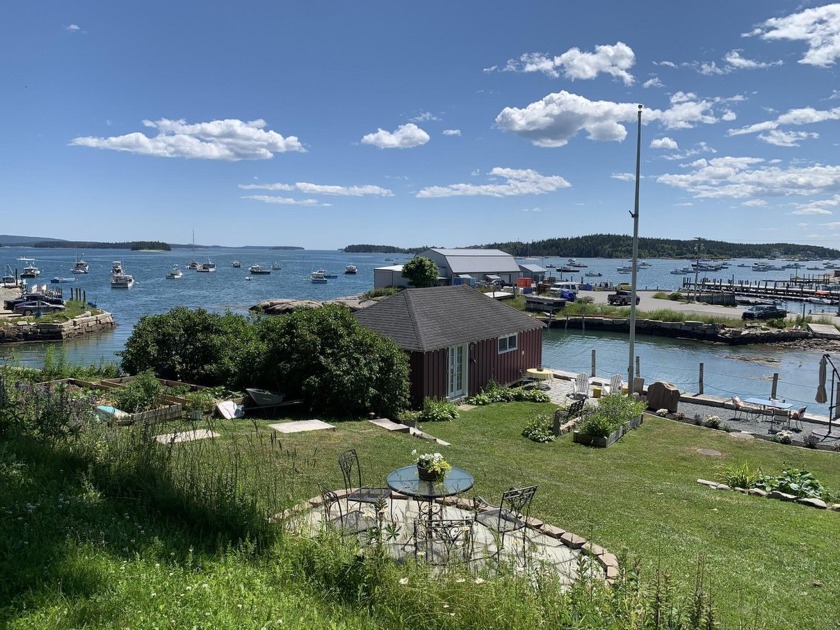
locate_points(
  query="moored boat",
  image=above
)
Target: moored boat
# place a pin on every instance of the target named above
(174, 273)
(258, 270)
(80, 266)
(317, 277)
(275, 266)
(30, 270)
(59, 279)
(119, 278)
(350, 269)
(236, 264)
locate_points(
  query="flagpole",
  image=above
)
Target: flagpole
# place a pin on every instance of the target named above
(635, 215)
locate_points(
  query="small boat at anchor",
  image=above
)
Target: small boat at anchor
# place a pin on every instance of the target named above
(593, 274)
(60, 279)
(236, 264)
(174, 273)
(276, 266)
(317, 277)
(350, 269)
(30, 270)
(119, 278)
(80, 266)
(259, 270)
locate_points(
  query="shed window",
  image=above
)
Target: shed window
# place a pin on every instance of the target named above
(506, 344)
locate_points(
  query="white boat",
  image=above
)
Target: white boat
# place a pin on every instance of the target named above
(625, 269)
(275, 266)
(682, 271)
(119, 278)
(317, 277)
(206, 267)
(325, 274)
(174, 273)
(258, 270)
(236, 264)
(60, 279)
(593, 274)
(573, 263)
(9, 282)
(80, 266)
(350, 269)
(30, 271)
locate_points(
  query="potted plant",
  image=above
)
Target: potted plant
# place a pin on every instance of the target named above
(431, 466)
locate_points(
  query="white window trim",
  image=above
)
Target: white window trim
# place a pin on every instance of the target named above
(508, 347)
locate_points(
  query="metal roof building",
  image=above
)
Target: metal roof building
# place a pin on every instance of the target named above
(477, 263)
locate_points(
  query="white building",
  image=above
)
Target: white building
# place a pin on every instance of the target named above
(458, 266)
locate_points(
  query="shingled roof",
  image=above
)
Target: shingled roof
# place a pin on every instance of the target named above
(420, 320)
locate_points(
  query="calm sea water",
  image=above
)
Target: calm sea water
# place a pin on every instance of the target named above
(745, 371)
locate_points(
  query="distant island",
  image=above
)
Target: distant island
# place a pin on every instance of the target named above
(621, 246)
(86, 245)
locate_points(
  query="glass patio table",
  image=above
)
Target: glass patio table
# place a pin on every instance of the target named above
(406, 480)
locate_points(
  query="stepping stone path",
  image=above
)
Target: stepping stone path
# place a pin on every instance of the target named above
(709, 452)
(186, 436)
(300, 426)
(388, 425)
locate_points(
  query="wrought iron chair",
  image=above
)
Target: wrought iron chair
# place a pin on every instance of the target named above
(509, 517)
(348, 461)
(444, 542)
(351, 523)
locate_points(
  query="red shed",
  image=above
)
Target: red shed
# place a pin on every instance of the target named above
(457, 339)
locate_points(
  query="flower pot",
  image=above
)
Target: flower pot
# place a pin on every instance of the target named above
(427, 475)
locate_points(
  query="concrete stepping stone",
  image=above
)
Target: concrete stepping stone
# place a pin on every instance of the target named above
(388, 425)
(186, 436)
(300, 426)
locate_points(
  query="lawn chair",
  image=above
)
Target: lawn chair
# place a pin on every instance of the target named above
(348, 461)
(580, 387)
(350, 523)
(509, 517)
(780, 420)
(797, 417)
(444, 542)
(615, 384)
(742, 409)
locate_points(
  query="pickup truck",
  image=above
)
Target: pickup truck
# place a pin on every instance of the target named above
(620, 298)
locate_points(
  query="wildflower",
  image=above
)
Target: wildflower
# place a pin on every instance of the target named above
(404, 581)
(461, 580)
(478, 580)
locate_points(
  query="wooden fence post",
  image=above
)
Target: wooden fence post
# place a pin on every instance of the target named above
(593, 363)
(775, 385)
(700, 381)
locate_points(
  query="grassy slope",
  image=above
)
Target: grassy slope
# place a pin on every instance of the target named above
(765, 557)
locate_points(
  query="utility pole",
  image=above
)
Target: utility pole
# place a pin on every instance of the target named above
(698, 249)
(635, 214)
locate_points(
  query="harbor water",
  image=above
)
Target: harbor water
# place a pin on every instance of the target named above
(728, 370)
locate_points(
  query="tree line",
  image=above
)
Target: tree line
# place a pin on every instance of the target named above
(133, 245)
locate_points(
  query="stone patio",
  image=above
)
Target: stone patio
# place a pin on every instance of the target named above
(546, 546)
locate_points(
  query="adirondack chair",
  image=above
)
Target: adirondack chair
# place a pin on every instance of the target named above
(580, 387)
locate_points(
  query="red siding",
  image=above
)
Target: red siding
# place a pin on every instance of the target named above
(429, 371)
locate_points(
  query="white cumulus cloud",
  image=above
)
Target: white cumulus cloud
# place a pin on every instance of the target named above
(664, 143)
(615, 60)
(818, 27)
(556, 118)
(451, 132)
(405, 137)
(512, 182)
(72, 28)
(229, 140)
(323, 189)
(754, 203)
(800, 116)
(747, 177)
(818, 207)
(654, 82)
(781, 138)
(283, 201)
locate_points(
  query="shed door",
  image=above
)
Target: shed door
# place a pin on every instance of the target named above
(457, 372)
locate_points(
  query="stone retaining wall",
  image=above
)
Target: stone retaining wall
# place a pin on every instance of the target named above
(18, 331)
(690, 329)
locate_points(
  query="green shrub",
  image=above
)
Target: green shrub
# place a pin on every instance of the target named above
(676, 296)
(494, 392)
(612, 412)
(660, 295)
(779, 323)
(795, 481)
(326, 357)
(381, 292)
(142, 393)
(712, 422)
(740, 476)
(538, 429)
(435, 410)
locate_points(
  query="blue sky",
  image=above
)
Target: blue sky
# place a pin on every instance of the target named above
(322, 124)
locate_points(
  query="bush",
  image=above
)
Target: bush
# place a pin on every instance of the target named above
(188, 345)
(326, 357)
(612, 412)
(538, 429)
(712, 422)
(795, 481)
(741, 476)
(438, 410)
(493, 393)
(142, 393)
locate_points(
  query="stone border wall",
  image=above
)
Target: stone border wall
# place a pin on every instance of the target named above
(775, 494)
(17, 331)
(690, 329)
(606, 560)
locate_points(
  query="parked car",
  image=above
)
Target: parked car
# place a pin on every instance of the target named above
(37, 306)
(764, 311)
(621, 298)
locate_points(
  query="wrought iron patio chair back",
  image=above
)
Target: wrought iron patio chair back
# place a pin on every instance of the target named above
(517, 503)
(351, 522)
(330, 505)
(348, 461)
(444, 541)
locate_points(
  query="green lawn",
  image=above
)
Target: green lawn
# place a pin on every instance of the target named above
(81, 557)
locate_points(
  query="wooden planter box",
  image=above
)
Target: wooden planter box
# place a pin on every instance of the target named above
(603, 442)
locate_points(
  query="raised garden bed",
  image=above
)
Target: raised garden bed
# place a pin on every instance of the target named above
(604, 441)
